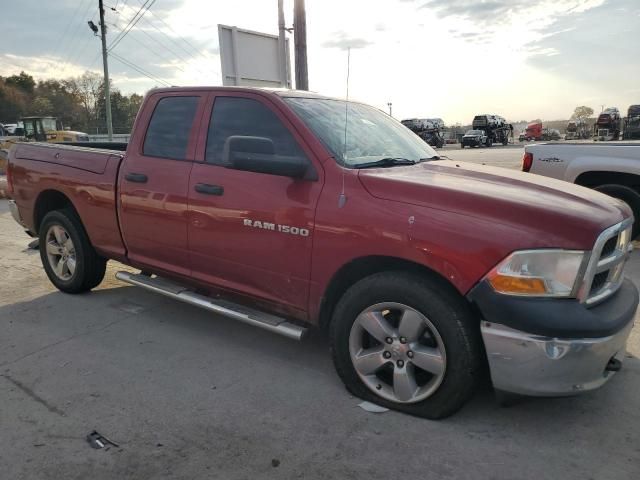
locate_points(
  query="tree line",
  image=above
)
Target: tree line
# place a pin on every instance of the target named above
(78, 102)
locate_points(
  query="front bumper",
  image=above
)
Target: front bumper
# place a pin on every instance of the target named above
(543, 363)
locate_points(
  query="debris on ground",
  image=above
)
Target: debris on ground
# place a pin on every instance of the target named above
(97, 440)
(372, 407)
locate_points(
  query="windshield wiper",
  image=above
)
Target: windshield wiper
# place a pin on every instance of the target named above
(386, 162)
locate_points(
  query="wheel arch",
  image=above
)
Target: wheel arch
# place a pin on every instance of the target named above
(594, 179)
(362, 267)
(48, 201)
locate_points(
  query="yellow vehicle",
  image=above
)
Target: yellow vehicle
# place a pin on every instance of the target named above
(49, 129)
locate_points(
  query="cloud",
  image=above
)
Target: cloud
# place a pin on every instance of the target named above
(479, 11)
(343, 41)
(588, 46)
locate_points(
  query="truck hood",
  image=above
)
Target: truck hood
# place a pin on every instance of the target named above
(571, 216)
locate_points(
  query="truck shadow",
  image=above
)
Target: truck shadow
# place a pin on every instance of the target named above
(125, 320)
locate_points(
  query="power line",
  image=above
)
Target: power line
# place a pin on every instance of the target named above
(66, 30)
(74, 49)
(170, 39)
(176, 54)
(132, 23)
(139, 69)
(122, 30)
(155, 52)
(196, 50)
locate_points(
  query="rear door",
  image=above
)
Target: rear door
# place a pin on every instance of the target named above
(154, 181)
(252, 232)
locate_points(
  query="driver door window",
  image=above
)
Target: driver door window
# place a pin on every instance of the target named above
(233, 116)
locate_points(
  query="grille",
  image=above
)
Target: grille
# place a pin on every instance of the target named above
(604, 273)
(609, 246)
(598, 282)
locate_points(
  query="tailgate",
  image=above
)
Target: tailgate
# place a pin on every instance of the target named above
(91, 160)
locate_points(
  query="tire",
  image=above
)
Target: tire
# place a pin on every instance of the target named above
(630, 197)
(461, 145)
(450, 328)
(87, 269)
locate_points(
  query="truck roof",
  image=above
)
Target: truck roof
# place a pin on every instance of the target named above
(281, 92)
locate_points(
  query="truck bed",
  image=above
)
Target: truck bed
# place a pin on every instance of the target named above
(87, 176)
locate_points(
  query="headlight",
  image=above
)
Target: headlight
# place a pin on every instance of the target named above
(539, 273)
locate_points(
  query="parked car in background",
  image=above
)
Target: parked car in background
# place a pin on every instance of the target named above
(613, 169)
(473, 138)
(276, 209)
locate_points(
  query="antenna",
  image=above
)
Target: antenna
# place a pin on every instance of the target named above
(342, 199)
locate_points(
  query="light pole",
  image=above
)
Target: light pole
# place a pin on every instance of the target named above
(105, 65)
(282, 48)
(389, 104)
(300, 44)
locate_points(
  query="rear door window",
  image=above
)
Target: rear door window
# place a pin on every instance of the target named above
(170, 127)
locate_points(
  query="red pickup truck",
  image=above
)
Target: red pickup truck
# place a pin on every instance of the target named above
(287, 209)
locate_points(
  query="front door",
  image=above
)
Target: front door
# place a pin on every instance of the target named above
(154, 182)
(252, 232)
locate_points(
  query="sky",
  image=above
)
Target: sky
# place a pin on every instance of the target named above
(453, 59)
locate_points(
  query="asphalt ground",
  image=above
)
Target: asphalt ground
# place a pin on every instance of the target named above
(189, 395)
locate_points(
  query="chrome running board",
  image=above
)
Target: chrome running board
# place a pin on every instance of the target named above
(244, 314)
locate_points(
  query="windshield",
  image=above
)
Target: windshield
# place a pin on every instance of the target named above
(49, 124)
(371, 135)
(474, 132)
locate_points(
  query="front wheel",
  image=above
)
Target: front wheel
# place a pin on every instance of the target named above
(67, 255)
(406, 342)
(629, 196)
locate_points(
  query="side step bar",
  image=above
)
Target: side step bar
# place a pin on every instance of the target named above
(223, 307)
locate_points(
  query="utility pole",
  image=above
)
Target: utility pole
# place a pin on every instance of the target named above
(282, 48)
(300, 39)
(105, 65)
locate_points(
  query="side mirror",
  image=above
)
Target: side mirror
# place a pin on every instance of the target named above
(257, 154)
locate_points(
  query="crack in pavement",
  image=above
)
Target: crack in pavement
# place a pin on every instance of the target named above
(34, 396)
(64, 340)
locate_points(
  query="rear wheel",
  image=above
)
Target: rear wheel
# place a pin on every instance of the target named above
(629, 196)
(68, 257)
(406, 342)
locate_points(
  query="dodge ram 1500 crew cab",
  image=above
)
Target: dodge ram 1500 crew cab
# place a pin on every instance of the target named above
(287, 209)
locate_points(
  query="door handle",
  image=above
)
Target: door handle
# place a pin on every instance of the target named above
(136, 177)
(209, 189)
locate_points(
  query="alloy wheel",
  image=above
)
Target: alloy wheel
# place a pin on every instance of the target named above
(61, 253)
(397, 352)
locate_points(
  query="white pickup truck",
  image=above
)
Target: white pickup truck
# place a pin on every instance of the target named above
(611, 168)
